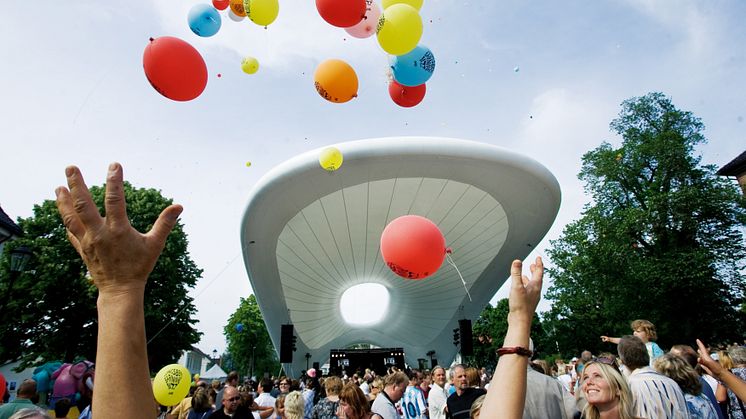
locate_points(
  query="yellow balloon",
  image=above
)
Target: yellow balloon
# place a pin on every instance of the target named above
(330, 158)
(262, 12)
(248, 164)
(417, 4)
(399, 29)
(250, 65)
(171, 384)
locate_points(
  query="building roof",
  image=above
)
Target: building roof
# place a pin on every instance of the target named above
(7, 223)
(308, 235)
(735, 167)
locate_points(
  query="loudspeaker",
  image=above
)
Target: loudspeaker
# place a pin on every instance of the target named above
(317, 368)
(433, 363)
(464, 326)
(286, 343)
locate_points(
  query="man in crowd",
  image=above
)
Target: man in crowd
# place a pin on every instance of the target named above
(394, 386)
(436, 398)
(265, 399)
(413, 401)
(654, 395)
(231, 381)
(26, 392)
(230, 406)
(459, 403)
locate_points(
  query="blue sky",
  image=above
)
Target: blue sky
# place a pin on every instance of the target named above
(74, 91)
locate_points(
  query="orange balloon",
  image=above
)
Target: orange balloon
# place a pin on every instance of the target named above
(336, 81)
(237, 8)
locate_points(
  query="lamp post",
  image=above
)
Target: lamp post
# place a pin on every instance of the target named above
(19, 257)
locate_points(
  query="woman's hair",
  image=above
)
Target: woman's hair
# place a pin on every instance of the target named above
(476, 407)
(677, 369)
(738, 355)
(31, 413)
(377, 383)
(647, 327)
(725, 360)
(472, 376)
(543, 366)
(294, 405)
(617, 385)
(201, 400)
(355, 398)
(332, 385)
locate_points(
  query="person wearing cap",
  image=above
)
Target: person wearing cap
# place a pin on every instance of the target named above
(311, 393)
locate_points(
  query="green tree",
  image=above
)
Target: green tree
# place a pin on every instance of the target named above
(489, 330)
(249, 344)
(51, 311)
(661, 239)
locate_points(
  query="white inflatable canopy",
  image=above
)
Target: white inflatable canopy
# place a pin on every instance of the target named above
(309, 235)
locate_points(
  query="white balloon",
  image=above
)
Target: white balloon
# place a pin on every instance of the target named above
(234, 17)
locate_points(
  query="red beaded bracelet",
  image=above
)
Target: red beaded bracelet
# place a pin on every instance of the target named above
(514, 350)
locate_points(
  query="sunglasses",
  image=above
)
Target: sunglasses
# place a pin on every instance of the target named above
(608, 361)
(234, 399)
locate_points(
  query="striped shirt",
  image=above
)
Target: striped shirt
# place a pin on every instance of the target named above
(656, 396)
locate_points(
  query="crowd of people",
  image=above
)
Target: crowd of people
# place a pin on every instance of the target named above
(638, 381)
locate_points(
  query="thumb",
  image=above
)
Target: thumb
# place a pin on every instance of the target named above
(165, 223)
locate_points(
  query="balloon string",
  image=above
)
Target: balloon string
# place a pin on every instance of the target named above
(195, 297)
(448, 258)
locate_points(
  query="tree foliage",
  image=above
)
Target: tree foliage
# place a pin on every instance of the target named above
(250, 342)
(51, 311)
(489, 330)
(661, 239)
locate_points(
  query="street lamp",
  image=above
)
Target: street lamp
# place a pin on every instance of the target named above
(19, 257)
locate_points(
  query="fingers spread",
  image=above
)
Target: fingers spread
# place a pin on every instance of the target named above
(67, 212)
(116, 211)
(165, 223)
(81, 198)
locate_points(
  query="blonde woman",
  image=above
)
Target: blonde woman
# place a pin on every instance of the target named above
(294, 405)
(606, 392)
(353, 404)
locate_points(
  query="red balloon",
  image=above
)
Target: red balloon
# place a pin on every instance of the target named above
(174, 68)
(221, 4)
(2, 386)
(342, 13)
(406, 96)
(413, 247)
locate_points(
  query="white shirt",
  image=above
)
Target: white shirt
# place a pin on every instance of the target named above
(656, 396)
(436, 402)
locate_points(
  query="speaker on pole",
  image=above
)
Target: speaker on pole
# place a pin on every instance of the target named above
(464, 326)
(286, 343)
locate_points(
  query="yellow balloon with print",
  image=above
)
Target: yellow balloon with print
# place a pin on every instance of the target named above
(417, 4)
(330, 158)
(399, 29)
(250, 65)
(171, 384)
(262, 12)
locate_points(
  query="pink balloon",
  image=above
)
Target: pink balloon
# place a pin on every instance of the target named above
(368, 25)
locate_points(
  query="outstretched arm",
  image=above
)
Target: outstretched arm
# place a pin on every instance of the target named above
(610, 339)
(507, 393)
(119, 259)
(730, 380)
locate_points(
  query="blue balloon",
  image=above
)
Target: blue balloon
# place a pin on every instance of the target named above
(239, 327)
(415, 67)
(204, 20)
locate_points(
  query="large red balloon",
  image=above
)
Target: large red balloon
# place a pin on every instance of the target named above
(342, 13)
(406, 96)
(2, 386)
(413, 247)
(174, 68)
